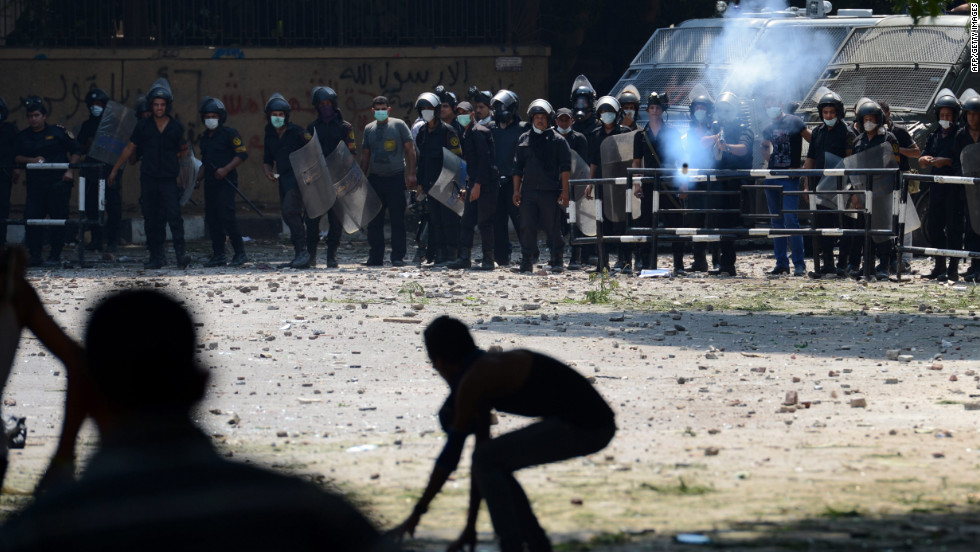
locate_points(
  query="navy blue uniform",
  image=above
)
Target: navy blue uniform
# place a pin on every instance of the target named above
(539, 160)
(443, 222)
(947, 202)
(329, 134)
(277, 150)
(504, 143)
(47, 193)
(478, 152)
(218, 148)
(734, 133)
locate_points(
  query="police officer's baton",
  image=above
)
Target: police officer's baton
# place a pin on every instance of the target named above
(233, 187)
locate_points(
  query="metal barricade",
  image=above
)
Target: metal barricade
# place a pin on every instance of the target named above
(82, 222)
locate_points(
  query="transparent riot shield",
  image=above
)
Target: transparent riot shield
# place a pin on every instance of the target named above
(616, 153)
(112, 136)
(584, 208)
(315, 183)
(878, 157)
(829, 183)
(357, 202)
(447, 188)
(970, 159)
(187, 178)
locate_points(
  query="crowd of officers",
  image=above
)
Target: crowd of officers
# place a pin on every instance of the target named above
(517, 171)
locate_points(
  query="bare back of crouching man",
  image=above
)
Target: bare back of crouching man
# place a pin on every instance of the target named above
(574, 420)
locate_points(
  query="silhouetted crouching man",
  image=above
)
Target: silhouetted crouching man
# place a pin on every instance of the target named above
(156, 482)
(574, 421)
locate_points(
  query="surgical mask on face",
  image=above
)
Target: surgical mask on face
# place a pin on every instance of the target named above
(464, 120)
(486, 121)
(96, 110)
(870, 125)
(700, 114)
(563, 130)
(536, 130)
(607, 118)
(773, 112)
(277, 122)
(381, 115)
(628, 113)
(945, 124)
(830, 122)
(428, 114)
(211, 124)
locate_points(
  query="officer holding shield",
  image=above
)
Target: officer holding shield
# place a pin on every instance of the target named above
(481, 191)
(434, 137)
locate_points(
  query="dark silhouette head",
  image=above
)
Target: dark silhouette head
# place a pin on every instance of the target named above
(447, 340)
(140, 347)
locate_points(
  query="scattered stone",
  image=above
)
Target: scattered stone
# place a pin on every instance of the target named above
(891, 381)
(971, 406)
(953, 378)
(711, 451)
(402, 320)
(936, 365)
(905, 358)
(9, 402)
(617, 318)
(681, 380)
(576, 501)
(892, 354)
(234, 420)
(939, 455)
(282, 433)
(531, 306)
(859, 403)
(791, 398)
(417, 306)
(710, 356)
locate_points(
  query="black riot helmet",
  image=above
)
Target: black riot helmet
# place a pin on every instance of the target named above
(704, 100)
(96, 95)
(35, 103)
(869, 107)
(277, 102)
(445, 96)
(656, 98)
(160, 89)
(831, 99)
(142, 106)
(629, 95)
(971, 104)
(3, 109)
(947, 99)
(541, 107)
(479, 96)
(505, 106)
(213, 105)
(582, 98)
(607, 103)
(427, 100)
(324, 93)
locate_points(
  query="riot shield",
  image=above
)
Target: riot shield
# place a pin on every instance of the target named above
(616, 153)
(447, 187)
(829, 183)
(315, 184)
(878, 157)
(357, 202)
(970, 159)
(115, 128)
(584, 208)
(187, 178)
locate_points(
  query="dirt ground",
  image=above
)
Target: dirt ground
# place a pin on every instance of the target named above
(322, 373)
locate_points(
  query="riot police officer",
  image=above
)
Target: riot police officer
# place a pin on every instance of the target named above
(947, 202)
(629, 103)
(968, 136)
(583, 100)
(48, 191)
(608, 109)
(506, 129)
(481, 105)
(283, 137)
(699, 156)
(330, 128)
(8, 139)
(432, 139)
(579, 144)
(480, 195)
(222, 151)
(542, 168)
(97, 99)
(161, 141)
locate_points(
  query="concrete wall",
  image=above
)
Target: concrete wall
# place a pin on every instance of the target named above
(244, 79)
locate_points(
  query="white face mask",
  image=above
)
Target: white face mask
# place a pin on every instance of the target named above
(700, 114)
(96, 110)
(869, 126)
(628, 113)
(428, 114)
(486, 121)
(563, 130)
(277, 122)
(773, 112)
(211, 124)
(945, 124)
(607, 117)
(830, 122)
(536, 130)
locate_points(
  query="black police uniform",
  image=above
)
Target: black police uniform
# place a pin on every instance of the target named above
(504, 143)
(478, 152)
(586, 127)
(856, 243)
(277, 150)
(735, 133)
(159, 195)
(539, 160)
(657, 151)
(838, 141)
(47, 193)
(8, 139)
(218, 148)
(609, 228)
(947, 202)
(578, 143)
(971, 240)
(442, 221)
(113, 197)
(330, 134)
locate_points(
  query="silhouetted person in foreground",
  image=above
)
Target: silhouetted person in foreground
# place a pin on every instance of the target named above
(156, 482)
(21, 308)
(574, 421)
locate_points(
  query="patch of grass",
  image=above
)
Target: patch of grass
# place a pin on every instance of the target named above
(681, 489)
(412, 292)
(602, 288)
(948, 401)
(834, 513)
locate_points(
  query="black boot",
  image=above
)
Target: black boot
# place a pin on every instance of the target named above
(183, 259)
(239, 259)
(953, 272)
(679, 265)
(487, 263)
(332, 257)
(215, 260)
(575, 262)
(938, 271)
(461, 262)
(527, 266)
(556, 265)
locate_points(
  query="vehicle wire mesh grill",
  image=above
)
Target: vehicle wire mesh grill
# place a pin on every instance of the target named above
(902, 87)
(677, 82)
(692, 46)
(940, 45)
